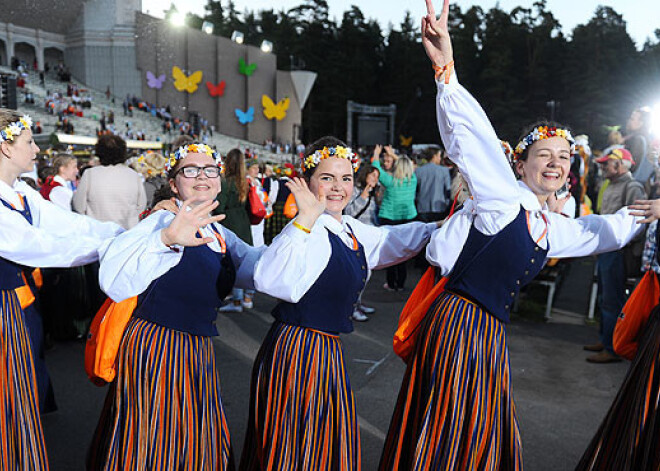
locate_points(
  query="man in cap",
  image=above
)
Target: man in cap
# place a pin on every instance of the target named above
(622, 191)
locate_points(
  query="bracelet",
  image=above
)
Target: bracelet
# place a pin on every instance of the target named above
(297, 225)
(448, 67)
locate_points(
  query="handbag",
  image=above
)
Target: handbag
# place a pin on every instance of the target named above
(290, 207)
(256, 208)
(635, 314)
(105, 334)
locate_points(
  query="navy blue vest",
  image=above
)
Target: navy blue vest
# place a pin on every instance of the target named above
(10, 272)
(491, 269)
(186, 297)
(328, 304)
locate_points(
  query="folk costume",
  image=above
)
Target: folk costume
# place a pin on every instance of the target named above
(33, 233)
(455, 408)
(163, 411)
(302, 410)
(627, 439)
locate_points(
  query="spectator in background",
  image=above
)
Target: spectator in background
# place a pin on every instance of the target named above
(232, 202)
(57, 188)
(622, 191)
(398, 206)
(364, 207)
(433, 187)
(637, 142)
(152, 168)
(111, 191)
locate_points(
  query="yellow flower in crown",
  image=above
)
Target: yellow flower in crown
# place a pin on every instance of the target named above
(9, 134)
(172, 162)
(341, 152)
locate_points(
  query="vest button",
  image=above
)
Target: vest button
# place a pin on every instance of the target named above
(532, 260)
(513, 294)
(536, 249)
(526, 272)
(363, 267)
(506, 307)
(364, 280)
(518, 282)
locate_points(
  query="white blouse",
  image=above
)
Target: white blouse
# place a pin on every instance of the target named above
(473, 146)
(56, 238)
(133, 260)
(61, 195)
(294, 261)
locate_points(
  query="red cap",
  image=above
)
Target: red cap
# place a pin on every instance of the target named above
(617, 154)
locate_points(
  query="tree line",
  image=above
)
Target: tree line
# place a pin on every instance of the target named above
(520, 65)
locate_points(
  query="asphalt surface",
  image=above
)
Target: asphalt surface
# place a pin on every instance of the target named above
(560, 398)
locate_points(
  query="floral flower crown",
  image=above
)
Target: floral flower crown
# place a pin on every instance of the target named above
(15, 128)
(340, 152)
(508, 151)
(182, 152)
(540, 133)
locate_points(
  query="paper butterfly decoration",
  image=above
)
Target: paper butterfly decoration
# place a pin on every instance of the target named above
(245, 117)
(155, 82)
(271, 110)
(246, 69)
(216, 90)
(183, 82)
(405, 141)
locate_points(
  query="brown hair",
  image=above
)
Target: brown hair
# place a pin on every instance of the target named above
(235, 172)
(111, 150)
(326, 141)
(363, 173)
(7, 117)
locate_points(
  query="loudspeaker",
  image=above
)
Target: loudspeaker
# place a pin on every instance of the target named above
(8, 94)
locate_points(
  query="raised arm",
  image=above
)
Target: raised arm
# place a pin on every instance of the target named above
(467, 134)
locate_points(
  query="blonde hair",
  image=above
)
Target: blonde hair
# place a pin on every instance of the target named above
(150, 165)
(403, 170)
(61, 160)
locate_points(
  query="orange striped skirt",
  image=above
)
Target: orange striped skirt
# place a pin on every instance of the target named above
(629, 437)
(455, 407)
(22, 445)
(163, 411)
(302, 410)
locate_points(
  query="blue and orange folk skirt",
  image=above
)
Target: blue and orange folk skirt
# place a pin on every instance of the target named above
(629, 437)
(455, 409)
(22, 445)
(302, 410)
(163, 410)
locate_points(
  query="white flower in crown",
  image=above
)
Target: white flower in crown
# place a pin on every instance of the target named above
(182, 152)
(14, 129)
(27, 121)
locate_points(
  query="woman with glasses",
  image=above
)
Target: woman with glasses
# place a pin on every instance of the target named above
(163, 410)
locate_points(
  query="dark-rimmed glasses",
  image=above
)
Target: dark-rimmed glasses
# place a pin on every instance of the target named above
(193, 172)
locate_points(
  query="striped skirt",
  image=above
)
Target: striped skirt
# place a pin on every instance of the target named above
(629, 436)
(163, 411)
(22, 445)
(455, 408)
(302, 410)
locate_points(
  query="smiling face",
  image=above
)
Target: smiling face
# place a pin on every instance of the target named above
(388, 162)
(200, 188)
(69, 171)
(20, 154)
(372, 178)
(547, 166)
(334, 179)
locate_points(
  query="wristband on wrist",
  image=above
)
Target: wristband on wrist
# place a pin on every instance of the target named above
(446, 70)
(297, 225)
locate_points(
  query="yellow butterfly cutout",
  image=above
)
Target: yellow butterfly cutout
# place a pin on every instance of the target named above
(183, 82)
(271, 110)
(405, 141)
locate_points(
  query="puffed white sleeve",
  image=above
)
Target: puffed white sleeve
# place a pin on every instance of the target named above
(30, 245)
(389, 245)
(592, 234)
(131, 261)
(292, 263)
(245, 258)
(474, 147)
(67, 224)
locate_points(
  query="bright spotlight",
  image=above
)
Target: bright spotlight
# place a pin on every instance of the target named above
(237, 37)
(207, 27)
(655, 121)
(266, 46)
(178, 18)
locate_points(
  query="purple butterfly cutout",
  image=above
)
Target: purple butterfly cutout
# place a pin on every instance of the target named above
(155, 82)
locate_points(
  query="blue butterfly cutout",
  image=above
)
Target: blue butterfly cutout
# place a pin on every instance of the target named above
(245, 117)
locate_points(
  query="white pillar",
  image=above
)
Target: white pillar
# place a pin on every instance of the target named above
(39, 50)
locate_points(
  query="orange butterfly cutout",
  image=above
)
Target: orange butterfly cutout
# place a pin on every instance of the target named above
(405, 141)
(216, 90)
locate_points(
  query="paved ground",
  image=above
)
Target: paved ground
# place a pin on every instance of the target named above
(560, 398)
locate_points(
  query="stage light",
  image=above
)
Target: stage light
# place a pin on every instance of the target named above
(266, 46)
(178, 18)
(655, 121)
(237, 37)
(207, 27)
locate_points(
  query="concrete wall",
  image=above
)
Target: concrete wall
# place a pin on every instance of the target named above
(160, 46)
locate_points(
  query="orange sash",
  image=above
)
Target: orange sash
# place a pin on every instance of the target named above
(635, 314)
(104, 337)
